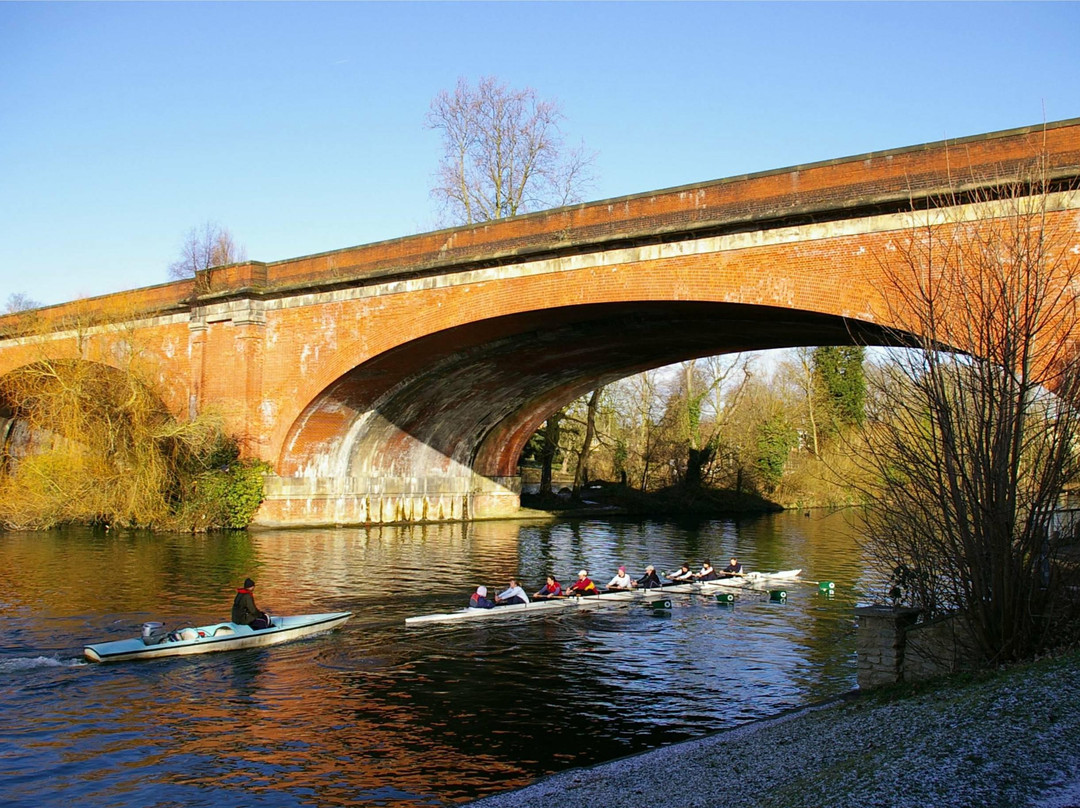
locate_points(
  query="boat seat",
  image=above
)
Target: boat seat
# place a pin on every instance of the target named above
(224, 631)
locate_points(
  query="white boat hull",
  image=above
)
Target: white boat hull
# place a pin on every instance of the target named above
(536, 606)
(217, 637)
(749, 580)
(754, 580)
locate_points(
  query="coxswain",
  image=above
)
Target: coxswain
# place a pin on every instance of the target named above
(511, 595)
(551, 589)
(583, 585)
(479, 599)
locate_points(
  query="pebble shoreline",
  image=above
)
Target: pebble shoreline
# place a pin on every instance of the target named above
(1011, 739)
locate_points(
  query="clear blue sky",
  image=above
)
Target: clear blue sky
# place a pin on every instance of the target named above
(300, 127)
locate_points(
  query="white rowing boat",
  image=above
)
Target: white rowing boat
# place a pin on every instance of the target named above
(755, 580)
(537, 606)
(746, 580)
(750, 580)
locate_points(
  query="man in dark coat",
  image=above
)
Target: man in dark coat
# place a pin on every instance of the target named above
(244, 610)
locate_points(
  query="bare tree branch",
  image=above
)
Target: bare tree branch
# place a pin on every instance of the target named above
(503, 153)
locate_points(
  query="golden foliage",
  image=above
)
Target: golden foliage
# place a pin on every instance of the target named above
(99, 447)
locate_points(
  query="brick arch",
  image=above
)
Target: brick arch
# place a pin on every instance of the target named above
(469, 397)
(779, 288)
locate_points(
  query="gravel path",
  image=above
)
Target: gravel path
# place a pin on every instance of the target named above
(1011, 739)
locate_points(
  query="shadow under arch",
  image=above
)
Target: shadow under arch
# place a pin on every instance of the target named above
(460, 404)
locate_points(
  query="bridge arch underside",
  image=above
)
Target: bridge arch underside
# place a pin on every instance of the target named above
(432, 429)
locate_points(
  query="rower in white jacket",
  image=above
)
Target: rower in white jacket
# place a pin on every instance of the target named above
(621, 581)
(515, 594)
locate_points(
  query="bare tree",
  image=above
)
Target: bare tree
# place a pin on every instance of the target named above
(968, 447)
(19, 301)
(207, 246)
(503, 153)
(582, 470)
(549, 448)
(710, 388)
(808, 388)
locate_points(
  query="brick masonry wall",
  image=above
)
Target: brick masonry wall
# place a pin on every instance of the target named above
(300, 355)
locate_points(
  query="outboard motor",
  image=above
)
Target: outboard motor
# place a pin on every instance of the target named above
(153, 633)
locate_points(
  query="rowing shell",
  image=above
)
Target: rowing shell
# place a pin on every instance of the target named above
(749, 580)
(536, 606)
(754, 580)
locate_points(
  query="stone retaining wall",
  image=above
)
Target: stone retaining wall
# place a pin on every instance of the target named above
(892, 646)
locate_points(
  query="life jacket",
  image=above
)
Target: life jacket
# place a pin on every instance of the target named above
(584, 586)
(477, 601)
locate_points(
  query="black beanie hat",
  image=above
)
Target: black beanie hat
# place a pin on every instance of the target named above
(248, 583)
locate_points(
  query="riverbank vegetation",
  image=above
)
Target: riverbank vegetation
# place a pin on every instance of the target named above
(975, 433)
(748, 432)
(94, 444)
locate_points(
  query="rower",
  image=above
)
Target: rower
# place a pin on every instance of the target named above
(650, 580)
(583, 585)
(733, 569)
(621, 580)
(479, 599)
(707, 572)
(551, 589)
(511, 595)
(683, 574)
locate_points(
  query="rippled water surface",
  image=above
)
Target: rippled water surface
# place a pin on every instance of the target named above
(377, 713)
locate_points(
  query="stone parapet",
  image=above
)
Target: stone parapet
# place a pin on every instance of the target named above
(880, 642)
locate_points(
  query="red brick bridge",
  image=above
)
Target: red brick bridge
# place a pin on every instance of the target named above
(399, 381)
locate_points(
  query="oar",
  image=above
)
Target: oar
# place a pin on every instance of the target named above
(825, 587)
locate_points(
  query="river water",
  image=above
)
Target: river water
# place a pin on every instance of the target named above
(377, 714)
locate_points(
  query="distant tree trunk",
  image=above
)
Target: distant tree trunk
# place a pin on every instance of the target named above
(696, 460)
(551, 445)
(809, 389)
(590, 431)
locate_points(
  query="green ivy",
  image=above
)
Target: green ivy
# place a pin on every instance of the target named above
(775, 440)
(228, 497)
